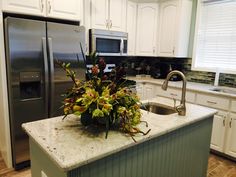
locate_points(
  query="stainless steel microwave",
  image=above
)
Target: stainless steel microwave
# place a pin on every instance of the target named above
(108, 43)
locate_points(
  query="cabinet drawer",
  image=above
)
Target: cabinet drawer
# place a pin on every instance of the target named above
(213, 101)
(170, 93)
(190, 96)
(233, 106)
(175, 93)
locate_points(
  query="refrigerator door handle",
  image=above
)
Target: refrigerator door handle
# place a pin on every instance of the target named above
(52, 88)
(45, 72)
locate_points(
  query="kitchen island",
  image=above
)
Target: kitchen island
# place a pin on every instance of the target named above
(176, 146)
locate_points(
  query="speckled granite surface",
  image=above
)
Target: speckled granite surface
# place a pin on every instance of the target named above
(71, 145)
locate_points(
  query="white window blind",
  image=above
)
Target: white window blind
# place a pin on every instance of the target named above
(216, 35)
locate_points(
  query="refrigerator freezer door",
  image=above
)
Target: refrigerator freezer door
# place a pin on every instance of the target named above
(64, 45)
(26, 73)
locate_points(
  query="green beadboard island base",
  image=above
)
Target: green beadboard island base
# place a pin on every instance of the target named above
(179, 147)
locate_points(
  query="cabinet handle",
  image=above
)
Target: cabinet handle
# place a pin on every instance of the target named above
(110, 24)
(173, 94)
(224, 122)
(230, 123)
(173, 51)
(41, 5)
(154, 50)
(211, 102)
(107, 24)
(49, 7)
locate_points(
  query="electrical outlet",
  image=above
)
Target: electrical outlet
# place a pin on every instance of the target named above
(43, 174)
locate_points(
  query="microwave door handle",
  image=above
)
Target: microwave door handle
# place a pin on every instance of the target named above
(121, 46)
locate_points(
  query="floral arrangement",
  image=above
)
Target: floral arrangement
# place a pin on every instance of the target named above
(103, 99)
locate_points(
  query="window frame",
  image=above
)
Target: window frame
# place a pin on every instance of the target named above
(194, 66)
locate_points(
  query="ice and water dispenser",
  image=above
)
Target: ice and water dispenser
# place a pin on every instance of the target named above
(30, 85)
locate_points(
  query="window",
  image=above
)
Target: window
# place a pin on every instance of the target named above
(215, 36)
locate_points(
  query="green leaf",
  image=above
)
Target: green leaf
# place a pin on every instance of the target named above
(67, 65)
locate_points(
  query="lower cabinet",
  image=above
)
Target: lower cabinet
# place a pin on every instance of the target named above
(175, 93)
(218, 131)
(145, 91)
(223, 137)
(231, 136)
(139, 90)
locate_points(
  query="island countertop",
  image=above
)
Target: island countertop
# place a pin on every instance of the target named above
(70, 145)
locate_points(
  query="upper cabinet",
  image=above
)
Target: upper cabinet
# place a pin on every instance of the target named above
(69, 10)
(131, 26)
(109, 14)
(174, 28)
(147, 19)
(99, 14)
(29, 7)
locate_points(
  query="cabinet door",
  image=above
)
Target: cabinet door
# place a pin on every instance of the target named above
(218, 133)
(147, 29)
(139, 90)
(69, 10)
(99, 14)
(168, 15)
(117, 15)
(148, 91)
(29, 7)
(231, 137)
(131, 26)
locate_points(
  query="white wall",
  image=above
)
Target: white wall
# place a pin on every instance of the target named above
(5, 143)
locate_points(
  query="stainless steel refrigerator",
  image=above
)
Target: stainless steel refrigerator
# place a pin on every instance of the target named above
(35, 81)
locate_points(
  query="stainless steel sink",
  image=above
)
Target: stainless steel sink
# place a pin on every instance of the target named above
(224, 90)
(158, 108)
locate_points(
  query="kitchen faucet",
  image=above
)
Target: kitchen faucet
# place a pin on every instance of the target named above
(181, 109)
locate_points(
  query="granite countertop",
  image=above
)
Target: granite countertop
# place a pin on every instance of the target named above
(192, 86)
(70, 146)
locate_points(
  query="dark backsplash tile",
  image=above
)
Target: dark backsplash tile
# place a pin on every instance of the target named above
(139, 65)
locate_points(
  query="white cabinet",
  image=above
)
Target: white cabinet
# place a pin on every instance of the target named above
(147, 19)
(174, 28)
(69, 10)
(175, 93)
(231, 137)
(29, 7)
(218, 131)
(139, 90)
(168, 13)
(145, 90)
(118, 10)
(213, 101)
(131, 26)
(109, 14)
(148, 91)
(99, 14)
